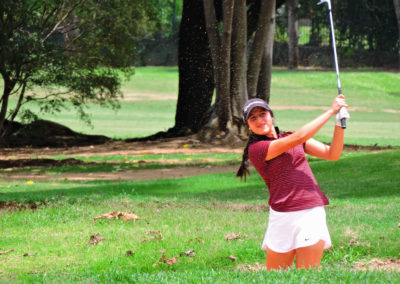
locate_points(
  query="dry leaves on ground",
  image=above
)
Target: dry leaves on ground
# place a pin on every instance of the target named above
(189, 253)
(95, 239)
(6, 251)
(153, 235)
(197, 240)
(378, 264)
(234, 236)
(173, 260)
(117, 215)
(164, 259)
(231, 257)
(252, 267)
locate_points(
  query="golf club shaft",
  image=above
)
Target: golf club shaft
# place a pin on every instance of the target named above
(334, 52)
(342, 120)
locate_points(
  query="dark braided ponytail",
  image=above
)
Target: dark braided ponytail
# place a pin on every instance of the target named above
(244, 166)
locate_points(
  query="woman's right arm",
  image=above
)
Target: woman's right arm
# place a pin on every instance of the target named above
(305, 132)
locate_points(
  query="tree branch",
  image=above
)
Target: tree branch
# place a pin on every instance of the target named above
(62, 20)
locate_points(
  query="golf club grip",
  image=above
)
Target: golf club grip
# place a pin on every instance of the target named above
(343, 122)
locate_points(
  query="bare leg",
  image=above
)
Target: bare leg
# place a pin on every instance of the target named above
(276, 260)
(307, 257)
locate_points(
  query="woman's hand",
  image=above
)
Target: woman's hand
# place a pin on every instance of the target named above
(338, 103)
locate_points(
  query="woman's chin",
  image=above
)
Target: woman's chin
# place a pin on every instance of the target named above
(261, 132)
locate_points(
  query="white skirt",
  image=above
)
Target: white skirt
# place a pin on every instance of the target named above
(291, 230)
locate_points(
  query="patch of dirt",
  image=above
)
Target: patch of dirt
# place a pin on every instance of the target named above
(13, 206)
(62, 141)
(246, 207)
(165, 146)
(251, 267)
(42, 157)
(389, 264)
(145, 174)
(133, 97)
(19, 163)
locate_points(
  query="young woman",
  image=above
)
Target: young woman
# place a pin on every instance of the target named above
(297, 223)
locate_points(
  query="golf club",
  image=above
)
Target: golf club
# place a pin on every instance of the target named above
(343, 114)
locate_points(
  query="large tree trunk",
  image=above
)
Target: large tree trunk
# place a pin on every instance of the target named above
(264, 81)
(397, 10)
(196, 83)
(239, 63)
(223, 88)
(258, 48)
(293, 34)
(221, 60)
(213, 36)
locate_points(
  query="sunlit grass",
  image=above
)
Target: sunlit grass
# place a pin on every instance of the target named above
(51, 242)
(374, 95)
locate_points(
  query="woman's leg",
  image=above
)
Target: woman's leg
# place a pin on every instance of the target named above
(307, 257)
(276, 260)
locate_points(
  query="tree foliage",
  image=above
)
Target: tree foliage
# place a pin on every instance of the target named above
(76, 51)
(367, 24)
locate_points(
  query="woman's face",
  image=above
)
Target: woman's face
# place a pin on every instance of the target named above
(260, 121)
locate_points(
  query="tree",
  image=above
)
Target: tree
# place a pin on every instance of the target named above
(396, 4)
(366, 24)
(73, 45)
(215, 38)
(196, 81)
(293, 32)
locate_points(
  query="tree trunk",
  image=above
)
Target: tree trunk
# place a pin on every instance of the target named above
(264, 81)
(239, 63)
(213, 36)
(293, 34)
(397, 10)
(196, 83)
(223, 87)
(258, 48)
(8, 87)
(227, 51)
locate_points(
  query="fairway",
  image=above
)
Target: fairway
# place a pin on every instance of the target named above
(150, 98)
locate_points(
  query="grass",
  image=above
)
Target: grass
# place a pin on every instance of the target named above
(51, 243)
(375, 95)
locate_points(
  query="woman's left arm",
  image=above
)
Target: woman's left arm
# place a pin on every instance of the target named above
(328, 152)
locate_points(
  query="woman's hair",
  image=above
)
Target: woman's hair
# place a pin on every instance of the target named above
(244, 166)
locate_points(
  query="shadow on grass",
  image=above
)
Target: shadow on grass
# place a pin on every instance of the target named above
(359, 176)
(216, 187)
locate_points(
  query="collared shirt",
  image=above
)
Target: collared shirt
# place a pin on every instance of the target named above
(291, 183)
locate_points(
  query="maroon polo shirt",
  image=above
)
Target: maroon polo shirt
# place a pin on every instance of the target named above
(291, 183)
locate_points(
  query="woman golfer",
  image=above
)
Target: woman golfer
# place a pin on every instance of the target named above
(297, 221)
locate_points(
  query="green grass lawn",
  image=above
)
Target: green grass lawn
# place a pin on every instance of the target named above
(374, 95)
(51, 242)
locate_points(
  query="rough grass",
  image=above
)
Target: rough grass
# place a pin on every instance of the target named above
(51, 240)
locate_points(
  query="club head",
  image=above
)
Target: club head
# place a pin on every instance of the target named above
(328, 2)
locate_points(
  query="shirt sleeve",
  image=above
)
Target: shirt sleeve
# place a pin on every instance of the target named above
(258, 151)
